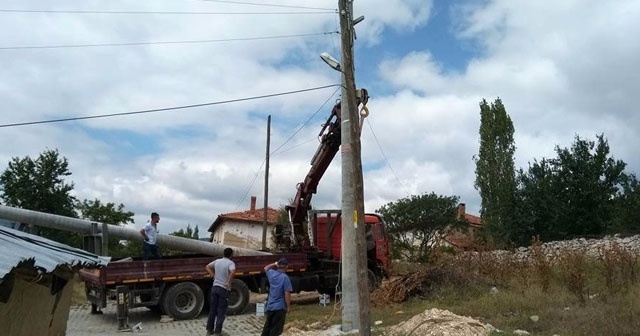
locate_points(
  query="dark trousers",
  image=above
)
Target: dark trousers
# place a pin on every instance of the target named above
(217, 308)
(274, 324)
(150, 251)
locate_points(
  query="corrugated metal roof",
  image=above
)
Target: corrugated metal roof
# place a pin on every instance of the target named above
(18, 248)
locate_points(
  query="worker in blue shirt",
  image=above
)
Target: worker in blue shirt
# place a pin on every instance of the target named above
(279, 300)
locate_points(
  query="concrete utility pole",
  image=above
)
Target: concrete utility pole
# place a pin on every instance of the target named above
(355, 290)
(266, 187)
(84, 226)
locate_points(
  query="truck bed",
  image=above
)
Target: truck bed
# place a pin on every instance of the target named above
(180, 268)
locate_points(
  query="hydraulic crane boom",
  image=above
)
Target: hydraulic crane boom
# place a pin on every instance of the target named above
(329, 145)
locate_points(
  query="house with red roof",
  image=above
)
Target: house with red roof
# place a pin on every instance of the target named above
(244, 228)
(463, 239)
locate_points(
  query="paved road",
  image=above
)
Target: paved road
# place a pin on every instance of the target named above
(82, 323)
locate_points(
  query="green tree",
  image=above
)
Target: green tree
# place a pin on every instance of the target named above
(574, 194)
(108, 213)
(537, 207)
(415, 223)
(41, 185)
(496, 175)
(626, 216)
(196, 233)
(188, 233)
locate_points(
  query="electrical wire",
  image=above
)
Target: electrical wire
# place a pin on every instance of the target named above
(255, 177)
(384, 156)
(306, 122)
(165, 42)
(267, 4)
(244, 196)
(158, 12)
(167, 108)
(296, 145)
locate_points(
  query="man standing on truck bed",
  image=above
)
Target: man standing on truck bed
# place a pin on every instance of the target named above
(150, 232)
(279, 301)
(222, 271)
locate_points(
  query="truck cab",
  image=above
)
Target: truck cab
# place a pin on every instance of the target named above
(325, 234)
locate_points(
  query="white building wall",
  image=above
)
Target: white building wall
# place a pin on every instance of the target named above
(243, 234)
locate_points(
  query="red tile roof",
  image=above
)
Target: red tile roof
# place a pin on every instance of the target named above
(473, 220)
(460, 240)
(252, 216)
(464, 240)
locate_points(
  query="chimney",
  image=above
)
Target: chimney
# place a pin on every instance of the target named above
(461, 210)
(253, 203)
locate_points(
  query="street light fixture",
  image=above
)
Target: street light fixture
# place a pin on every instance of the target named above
(331, 61)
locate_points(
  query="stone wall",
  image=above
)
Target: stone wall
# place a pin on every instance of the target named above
(592, 247)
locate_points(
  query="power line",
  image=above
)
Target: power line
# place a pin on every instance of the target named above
(273, 152)
(159, 12)
(167, 108)
(297, 145)
(250, 185)
(384, 156)
(267, 4)
(165, 42)
(306, 122)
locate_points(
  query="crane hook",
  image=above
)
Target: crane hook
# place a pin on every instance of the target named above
(363, 98)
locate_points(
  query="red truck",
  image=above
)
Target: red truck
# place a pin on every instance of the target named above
(179, 285)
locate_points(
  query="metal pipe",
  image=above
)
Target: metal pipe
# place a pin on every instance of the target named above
(84, 226)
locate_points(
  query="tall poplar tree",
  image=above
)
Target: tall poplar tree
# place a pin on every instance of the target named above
(495, 173)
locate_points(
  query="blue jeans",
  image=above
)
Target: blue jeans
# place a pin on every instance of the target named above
(150, 251)
(217, 308)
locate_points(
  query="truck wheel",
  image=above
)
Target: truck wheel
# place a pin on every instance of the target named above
(238, 297)
(183, 301)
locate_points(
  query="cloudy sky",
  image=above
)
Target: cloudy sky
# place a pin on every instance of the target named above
(563, 69)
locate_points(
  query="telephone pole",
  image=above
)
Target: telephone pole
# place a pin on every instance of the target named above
(355, 289)
(266, 187)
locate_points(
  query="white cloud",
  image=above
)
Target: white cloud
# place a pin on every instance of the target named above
(561, 70)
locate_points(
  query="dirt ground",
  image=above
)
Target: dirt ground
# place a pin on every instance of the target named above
(431, 322)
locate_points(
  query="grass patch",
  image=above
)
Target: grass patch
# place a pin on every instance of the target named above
(571, 293)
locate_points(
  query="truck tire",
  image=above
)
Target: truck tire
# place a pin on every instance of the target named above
(238, 297)
(183, 301)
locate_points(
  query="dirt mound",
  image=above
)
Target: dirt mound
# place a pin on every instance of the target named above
(436, 322)
(299, 328)
(416, 284)
(432, 322)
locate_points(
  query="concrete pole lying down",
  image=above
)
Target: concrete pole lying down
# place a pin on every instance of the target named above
(84, 226)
